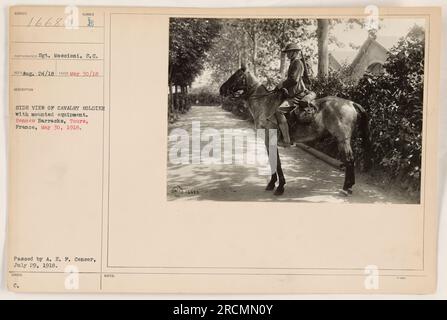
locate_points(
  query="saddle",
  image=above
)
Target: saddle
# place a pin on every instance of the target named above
(301, 108)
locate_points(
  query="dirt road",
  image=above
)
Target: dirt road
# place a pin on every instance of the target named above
(308, 178)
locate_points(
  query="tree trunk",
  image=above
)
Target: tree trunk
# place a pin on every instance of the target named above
(323, 55)
(182, 99)
(239, 60)
(176, 102)
(283, 39)
(171, 102)
(244, 49)
(255, 53)
(282, 65)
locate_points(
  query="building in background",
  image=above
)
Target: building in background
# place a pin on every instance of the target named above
(334, 65)
(371, 57)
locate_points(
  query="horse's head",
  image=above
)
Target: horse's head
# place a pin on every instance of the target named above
(243, 84)
(236, 85)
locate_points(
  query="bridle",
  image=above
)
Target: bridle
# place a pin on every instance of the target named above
(268, 93)
(248, 92)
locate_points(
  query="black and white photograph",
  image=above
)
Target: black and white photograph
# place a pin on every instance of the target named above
(296, 110)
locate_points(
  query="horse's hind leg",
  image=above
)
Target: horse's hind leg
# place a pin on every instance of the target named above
(349, 177)
(348, 159)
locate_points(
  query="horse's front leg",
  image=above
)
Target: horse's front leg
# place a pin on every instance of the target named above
(272, 183)
(273, 178)
(275, 164)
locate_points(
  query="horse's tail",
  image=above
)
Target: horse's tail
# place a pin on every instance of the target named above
(363, 123)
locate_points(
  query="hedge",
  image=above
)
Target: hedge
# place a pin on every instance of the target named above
(394, 102)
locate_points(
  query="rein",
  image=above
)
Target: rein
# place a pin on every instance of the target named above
(250, 95)
(258, 96)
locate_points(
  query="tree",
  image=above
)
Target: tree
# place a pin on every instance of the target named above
(325, 38)
(394, 100)
(279, 32)
(323, 53)
(189, 40)
(227, 51)
(259, 43)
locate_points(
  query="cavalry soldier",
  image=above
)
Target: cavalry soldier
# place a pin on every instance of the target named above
(293, 89)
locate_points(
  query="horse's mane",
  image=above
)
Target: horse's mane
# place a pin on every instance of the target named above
(260, 88)
(263, 89)
(254, 80)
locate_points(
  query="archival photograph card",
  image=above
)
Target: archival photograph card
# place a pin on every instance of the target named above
(232, 151)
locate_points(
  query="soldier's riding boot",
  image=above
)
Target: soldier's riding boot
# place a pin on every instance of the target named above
(284, 127)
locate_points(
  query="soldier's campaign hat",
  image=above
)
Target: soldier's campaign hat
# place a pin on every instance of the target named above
(291, 47)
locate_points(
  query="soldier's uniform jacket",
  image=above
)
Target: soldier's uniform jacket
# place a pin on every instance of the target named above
(294, 82)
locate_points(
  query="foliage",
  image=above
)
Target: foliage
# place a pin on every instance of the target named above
(394, 103)
(181, 102)
(204, 97)
(189, 40)
(337, 83)
(258, 42)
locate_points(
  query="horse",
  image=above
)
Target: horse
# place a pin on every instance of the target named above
(334, 116)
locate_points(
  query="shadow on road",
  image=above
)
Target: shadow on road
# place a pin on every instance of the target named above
(308, 178)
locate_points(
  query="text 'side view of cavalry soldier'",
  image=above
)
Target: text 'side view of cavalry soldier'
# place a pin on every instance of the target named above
(294, 90)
